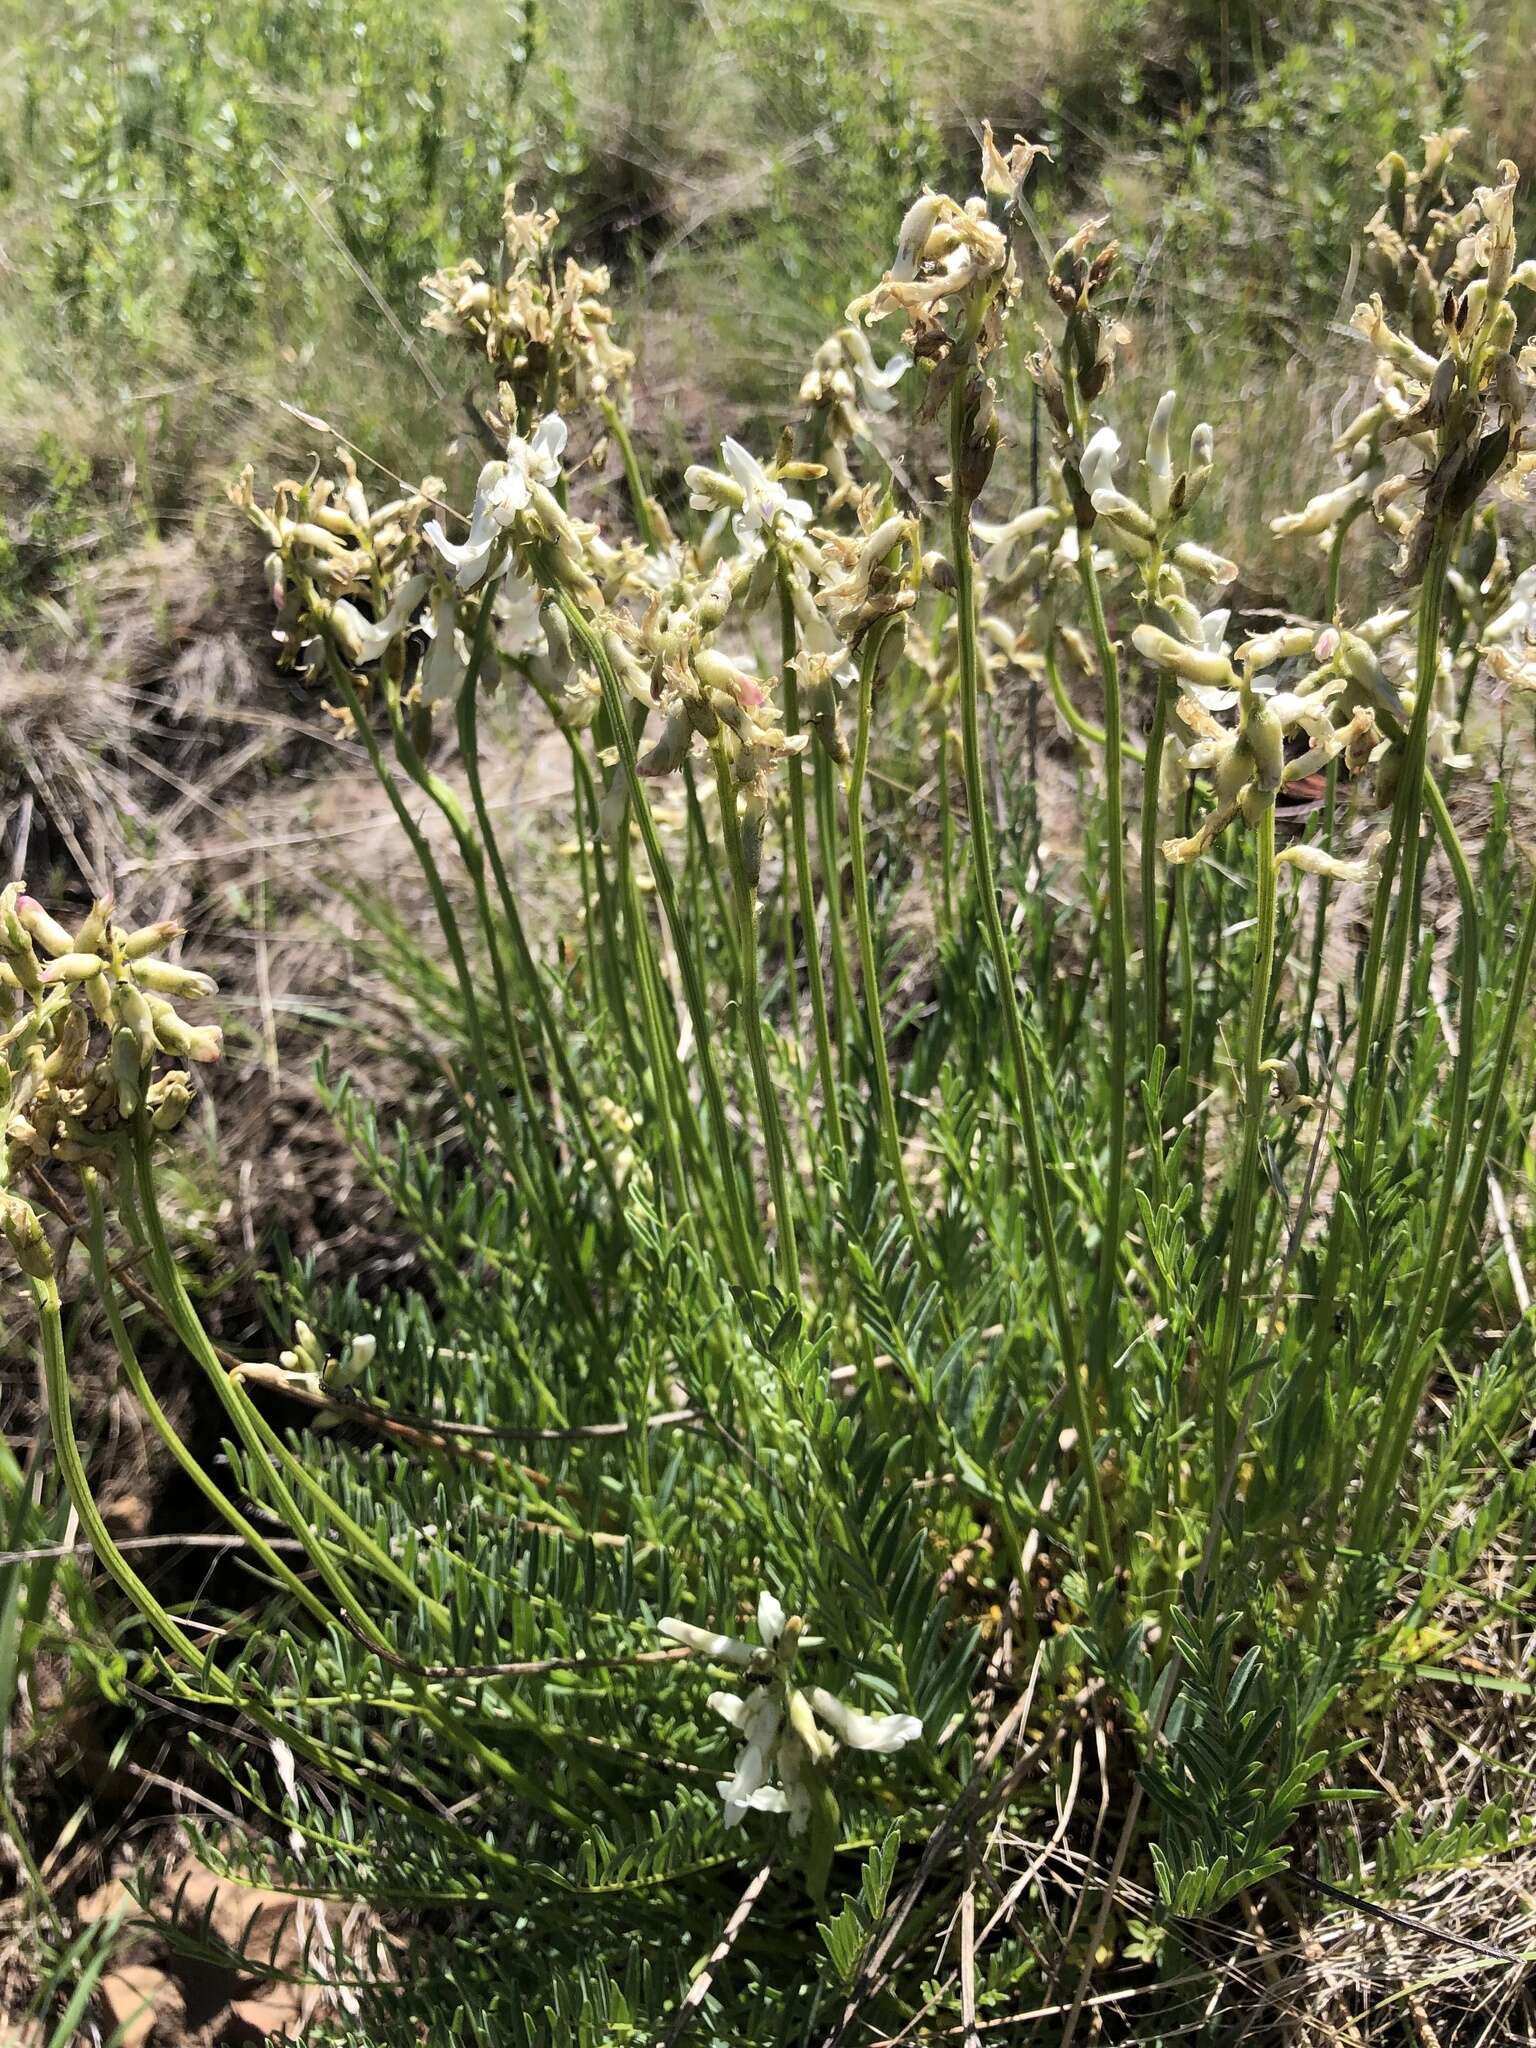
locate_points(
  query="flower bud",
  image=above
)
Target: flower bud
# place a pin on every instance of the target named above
(152, 938)
(1203, 562)
(1286, 643)
(340, 1373)
(69, 967)
(205, 1043)
(166, 978)
(1124, 513)
(46, 931)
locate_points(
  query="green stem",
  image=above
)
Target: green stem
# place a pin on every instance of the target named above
(539, 1213)
(1151, 943)
(1367, 1081)
(1405, 1390)
(1407, 844)
(78, 1486)
(1072, 1364)
(863, 918)
(829, 849)
(255, 1434)
(1477, 1163)
(666, 895)
(133, 1372)
(1118, 949)
(768, 1111)
(1330, 814)
(1233, 1315)
(1084, 727)
(533, 980)
(810, 927)
(639, 500)
(946, 823)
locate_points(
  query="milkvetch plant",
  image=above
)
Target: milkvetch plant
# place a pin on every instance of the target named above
(1031, 1261)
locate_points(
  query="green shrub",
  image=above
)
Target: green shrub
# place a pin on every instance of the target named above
(1023, 1268)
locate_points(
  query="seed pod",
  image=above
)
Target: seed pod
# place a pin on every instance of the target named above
(671, 747)
(25, 1235)
(557, 639)
(63, 1063)
(168, 1100)
(979, 437)
(1202, 456)
(1393, 172)
(613, 811)
(702, 715)
(1265, 737)
(1233, 771)
(421, 726)
(127, 1069)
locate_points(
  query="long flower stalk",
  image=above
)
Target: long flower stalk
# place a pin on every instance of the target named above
(1405, 1389)
(1234, 1318)
(1079, 1399)
(533, 980)
(770, 1116)
(800, 853)
(1117, 960)
(863, 918)
(666, 896)
(1388, 937)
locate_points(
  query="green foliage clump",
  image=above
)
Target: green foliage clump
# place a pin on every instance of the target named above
(905, 1302)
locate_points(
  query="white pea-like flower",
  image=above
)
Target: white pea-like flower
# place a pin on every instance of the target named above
(1519, 613)
(767, 508)
(363, 641)
(1322, 513)
(1160, 457)
(1099, 458)
(787, 1734)
(504, 490)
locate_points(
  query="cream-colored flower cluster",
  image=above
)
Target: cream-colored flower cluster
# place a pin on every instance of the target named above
(1459, 406)
(87, 1019)
(545, 328)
